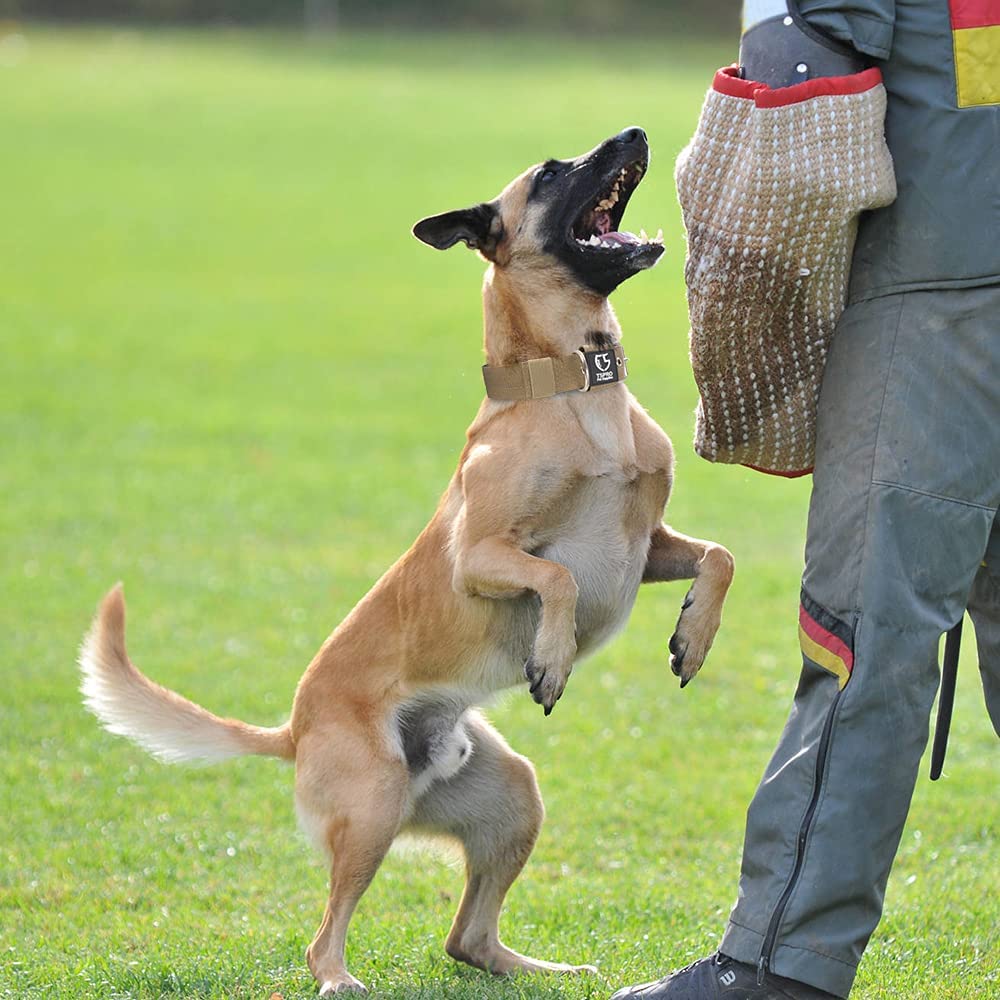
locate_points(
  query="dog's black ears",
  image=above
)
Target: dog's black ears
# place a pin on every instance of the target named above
(478, 227)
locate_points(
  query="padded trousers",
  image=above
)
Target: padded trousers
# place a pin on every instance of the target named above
(903, 536)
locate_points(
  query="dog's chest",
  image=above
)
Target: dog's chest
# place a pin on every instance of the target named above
(600, 528)
(604, 439)
(600, 532)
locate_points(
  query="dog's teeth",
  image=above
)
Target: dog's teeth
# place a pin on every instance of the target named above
(659, 235)
(595, 241)
(643, 236)
(612, 199)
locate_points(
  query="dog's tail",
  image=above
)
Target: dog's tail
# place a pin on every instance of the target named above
(167, 725)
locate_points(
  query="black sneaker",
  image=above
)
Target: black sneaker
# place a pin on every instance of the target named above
(719, 977)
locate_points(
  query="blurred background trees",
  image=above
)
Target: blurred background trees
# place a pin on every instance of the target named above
(577, 16)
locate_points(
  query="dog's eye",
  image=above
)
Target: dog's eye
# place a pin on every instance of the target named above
(547, 175)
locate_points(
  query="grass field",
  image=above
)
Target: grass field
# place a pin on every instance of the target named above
(232, 379)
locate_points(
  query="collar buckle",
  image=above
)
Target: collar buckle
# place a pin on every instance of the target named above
(586, 370)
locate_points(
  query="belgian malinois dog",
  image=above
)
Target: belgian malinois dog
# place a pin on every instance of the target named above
(532, 560)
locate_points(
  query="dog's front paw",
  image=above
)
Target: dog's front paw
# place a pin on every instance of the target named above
(547, 675)
(546, 683)
(692, 638)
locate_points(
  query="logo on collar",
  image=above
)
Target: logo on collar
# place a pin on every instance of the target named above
(603, 367)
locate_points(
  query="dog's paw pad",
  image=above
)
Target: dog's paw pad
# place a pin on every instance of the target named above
(678, 650)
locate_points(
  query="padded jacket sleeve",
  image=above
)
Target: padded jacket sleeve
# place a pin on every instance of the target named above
(866, 25)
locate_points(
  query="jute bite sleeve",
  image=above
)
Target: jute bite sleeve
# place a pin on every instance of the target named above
(771, 187)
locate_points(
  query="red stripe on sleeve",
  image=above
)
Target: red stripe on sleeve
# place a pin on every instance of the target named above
(827, 640)
(974, 13)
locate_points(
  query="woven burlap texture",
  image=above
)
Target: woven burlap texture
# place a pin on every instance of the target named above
(770, 198)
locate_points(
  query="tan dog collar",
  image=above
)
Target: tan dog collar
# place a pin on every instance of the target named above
(582, 371)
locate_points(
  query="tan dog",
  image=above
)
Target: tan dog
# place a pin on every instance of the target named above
(533, 559)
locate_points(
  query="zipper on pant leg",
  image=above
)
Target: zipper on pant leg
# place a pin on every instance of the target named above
(767, 949)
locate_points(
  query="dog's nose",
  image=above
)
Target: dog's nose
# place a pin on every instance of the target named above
(630, 135)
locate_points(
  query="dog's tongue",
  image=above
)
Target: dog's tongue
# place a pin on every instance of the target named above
(626, 239)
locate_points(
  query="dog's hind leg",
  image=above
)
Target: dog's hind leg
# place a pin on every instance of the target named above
(493, 806)
(351, 799)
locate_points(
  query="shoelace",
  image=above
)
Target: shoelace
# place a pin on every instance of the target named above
(716, 959)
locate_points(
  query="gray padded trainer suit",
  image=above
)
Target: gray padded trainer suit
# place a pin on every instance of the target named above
(903, 529)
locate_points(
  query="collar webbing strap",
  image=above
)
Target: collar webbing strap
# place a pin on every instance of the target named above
(582, 370)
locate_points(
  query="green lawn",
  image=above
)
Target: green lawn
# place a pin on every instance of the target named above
(231, 378)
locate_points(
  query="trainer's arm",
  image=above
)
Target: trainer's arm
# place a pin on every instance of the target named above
(865, 25)
(786, 42)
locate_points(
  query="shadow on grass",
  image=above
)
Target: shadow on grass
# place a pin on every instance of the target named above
(296, 984)
(462, 983)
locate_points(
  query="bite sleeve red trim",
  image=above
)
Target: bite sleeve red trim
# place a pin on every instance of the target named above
(727, 81)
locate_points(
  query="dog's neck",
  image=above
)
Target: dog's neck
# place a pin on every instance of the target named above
(542, 314)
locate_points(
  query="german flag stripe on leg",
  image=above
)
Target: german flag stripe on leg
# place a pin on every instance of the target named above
(975, 30)
(826, 640)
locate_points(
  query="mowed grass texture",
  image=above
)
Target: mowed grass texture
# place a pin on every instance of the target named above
(231, 378)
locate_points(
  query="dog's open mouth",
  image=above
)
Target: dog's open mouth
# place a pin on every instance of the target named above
(596, 227)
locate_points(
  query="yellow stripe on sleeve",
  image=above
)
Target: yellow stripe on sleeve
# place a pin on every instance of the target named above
(824, 658)
(977, 66)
